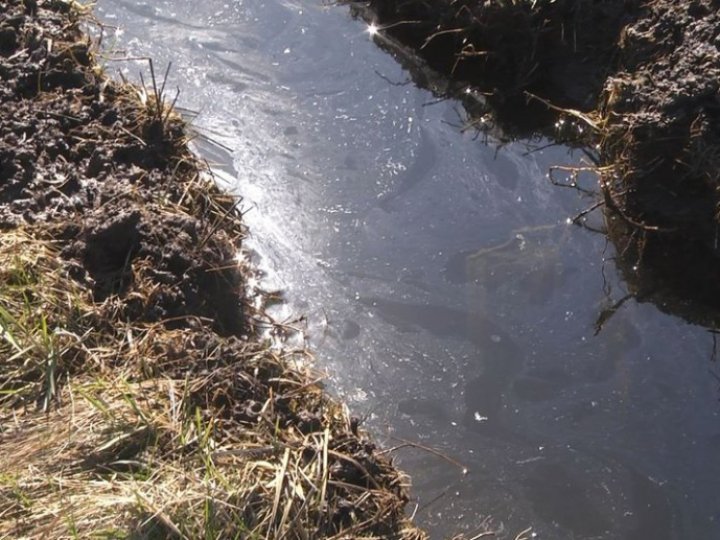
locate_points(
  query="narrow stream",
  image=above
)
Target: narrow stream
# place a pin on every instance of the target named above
(446, 296)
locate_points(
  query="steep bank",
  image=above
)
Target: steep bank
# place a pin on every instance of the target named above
(561, 50)
(640, 78)
(661, 139)
(137, 397)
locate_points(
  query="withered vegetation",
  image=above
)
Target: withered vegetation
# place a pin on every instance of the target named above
(137, 397)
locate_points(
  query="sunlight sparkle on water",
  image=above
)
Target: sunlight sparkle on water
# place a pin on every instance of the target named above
(372, 29)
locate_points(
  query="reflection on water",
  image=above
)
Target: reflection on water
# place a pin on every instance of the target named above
(445, 294)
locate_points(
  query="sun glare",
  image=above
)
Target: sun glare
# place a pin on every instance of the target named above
(372, 29)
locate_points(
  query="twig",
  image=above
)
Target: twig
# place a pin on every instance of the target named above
(438, 453)
(571, 112)
(588, 210)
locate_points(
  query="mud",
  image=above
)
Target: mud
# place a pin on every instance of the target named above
(661, 116)
(78, 156)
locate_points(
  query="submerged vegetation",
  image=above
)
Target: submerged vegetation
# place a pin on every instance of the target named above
(138, 397)
(639, 82)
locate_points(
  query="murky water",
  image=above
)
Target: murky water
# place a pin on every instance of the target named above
(446, 296)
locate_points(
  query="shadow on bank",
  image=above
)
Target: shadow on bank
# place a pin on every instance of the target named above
(638, 82)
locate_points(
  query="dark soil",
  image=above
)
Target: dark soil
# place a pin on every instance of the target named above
(562, 50)
(77, 155)
(662, 134)
(645, 74)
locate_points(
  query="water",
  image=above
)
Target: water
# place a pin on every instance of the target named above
(446, 296)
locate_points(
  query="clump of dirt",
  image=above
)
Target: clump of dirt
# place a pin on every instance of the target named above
(661, 130)
(129, 345)
(78, 154)
(189, 270)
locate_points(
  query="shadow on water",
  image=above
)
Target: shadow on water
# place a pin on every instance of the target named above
(499, 60)
(659, 273)
(684, 284)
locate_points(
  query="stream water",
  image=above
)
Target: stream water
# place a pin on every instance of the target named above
(445, 293)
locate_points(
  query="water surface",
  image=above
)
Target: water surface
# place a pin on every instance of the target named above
(446, 296)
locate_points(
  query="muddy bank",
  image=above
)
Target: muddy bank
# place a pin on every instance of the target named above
(137, 395)
(640, 78)
(562, 50)
(661, 136)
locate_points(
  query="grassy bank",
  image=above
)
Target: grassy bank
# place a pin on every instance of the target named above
(137, 398)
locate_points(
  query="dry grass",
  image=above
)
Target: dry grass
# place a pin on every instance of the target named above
(41, 329)
(124, 449)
